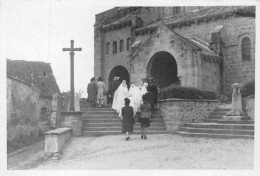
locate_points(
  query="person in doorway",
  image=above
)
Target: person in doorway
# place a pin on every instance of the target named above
(120, 94)
(127, 119)
(153, 88)
(145, 110)
(144, 88)
(109, 97)
(100, 95)
(92, 92)
(115, 84)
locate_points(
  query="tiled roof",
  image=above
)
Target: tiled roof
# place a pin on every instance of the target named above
(122, 18)
(204, 46)
(38, 73)
(198, 16)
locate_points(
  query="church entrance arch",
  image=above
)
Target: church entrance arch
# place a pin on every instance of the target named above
(163, 68)
(121, 72)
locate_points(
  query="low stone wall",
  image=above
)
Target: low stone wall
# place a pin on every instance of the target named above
(176, 112)
(248, 104)
(55, 140)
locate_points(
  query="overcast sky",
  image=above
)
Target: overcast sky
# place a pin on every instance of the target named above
(37, 30)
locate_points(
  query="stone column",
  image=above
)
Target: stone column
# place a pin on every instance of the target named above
(180, 80)
(73, 119)
(236, 113)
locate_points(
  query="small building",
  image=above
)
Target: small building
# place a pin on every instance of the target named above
(40, 75)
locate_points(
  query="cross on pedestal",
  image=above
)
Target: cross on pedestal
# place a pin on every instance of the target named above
(71, 49)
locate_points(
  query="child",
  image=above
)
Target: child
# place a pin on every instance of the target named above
(145, 109)
(128, 119)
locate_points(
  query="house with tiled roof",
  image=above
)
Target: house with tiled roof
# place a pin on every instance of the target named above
(39, 75)
(209, 47)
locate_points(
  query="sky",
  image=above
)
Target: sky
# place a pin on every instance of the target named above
(37, 30)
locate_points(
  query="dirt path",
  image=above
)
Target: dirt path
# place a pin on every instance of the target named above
(27, 159)
(165, 151)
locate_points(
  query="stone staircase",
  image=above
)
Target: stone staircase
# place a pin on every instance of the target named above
(214, 126)
(105, 121)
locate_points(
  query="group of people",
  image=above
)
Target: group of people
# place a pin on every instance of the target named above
(96, 92)
(136, 100)
(127, 102)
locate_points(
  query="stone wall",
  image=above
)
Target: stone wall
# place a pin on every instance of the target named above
(233, 31)
(193, 69)
(111, 59)
(175, 112)
(22, 110)
(248, 104)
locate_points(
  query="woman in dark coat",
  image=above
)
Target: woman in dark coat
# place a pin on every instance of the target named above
(92, 92)
(128, 118)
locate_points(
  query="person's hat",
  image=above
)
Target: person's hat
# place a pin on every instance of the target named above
(116, 78)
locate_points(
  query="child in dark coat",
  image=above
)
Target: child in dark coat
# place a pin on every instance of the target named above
(128, 118)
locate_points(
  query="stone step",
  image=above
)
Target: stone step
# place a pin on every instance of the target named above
(217, 131)
(107, 120)
(99, 112)
(97, 109)
(228, 121)
(215, 117)
(110, 116)
(119, 128)
(213, 135)
(105, 133)
(222, 109)
(153, 124)
(220, 126)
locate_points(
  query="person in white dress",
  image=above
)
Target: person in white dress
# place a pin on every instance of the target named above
(101, 88)
(119, 97)
(144, 88)
(135, 96)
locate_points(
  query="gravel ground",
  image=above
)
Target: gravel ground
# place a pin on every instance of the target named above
(164, 151)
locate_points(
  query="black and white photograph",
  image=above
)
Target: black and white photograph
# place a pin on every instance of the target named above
(134, 87)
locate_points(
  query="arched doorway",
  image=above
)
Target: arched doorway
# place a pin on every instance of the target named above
(121, 72)
(163, 68)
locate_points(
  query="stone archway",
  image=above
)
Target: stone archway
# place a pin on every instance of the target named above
(163, 68)
(121, 72)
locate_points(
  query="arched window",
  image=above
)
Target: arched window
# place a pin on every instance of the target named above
(246, 49)
(128, 44)
(114, 47)
(121, 46)
(107, 47)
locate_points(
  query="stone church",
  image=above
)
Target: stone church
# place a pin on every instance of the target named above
(209, 48)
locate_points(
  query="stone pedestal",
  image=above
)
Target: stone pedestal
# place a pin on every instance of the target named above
(72, 119)
(236, 113)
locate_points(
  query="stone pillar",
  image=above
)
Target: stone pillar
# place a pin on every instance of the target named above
(236, 113)
(180, 80)
(73, 119)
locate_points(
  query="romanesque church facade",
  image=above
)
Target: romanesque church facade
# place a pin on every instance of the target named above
(209, 48)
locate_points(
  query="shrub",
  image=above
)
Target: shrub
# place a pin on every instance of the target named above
(248, 89)
(173, 91)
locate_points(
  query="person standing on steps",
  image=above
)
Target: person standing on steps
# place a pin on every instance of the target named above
(115, 84)
(92, 92)
(120, 94)
(153, 88)
(145, 110)
(100, 95)
(127, 119)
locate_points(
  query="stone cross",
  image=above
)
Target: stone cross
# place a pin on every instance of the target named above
(71, 49)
